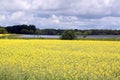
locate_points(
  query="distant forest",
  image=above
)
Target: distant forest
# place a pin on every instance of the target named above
(31, 29)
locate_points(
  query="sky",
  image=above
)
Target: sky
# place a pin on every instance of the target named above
(61, 14)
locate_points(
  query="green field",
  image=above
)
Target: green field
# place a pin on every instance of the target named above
(59, 60)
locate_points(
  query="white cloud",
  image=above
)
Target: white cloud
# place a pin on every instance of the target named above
(2, 18)
(17, 15)
(13, 5)
(61, 13)
(55, 19)
(45, 4)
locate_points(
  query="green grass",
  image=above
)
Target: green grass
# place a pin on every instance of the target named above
(101, 39)
(10, 36)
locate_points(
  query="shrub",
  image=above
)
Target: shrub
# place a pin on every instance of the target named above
(69, 35)
(3, 31)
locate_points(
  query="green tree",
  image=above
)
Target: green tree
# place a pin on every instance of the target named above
(68, 35)
(85, 34)
(3, 31)
(38, 32)
(78, 33)
(24, 31)
(31, 32)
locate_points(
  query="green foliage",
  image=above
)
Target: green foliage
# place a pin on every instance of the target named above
(78, 33)
(25, 31)
(68, 35)
(38, 32)
(3, 30)
(31, 32)
(86, 33)
(21, 29)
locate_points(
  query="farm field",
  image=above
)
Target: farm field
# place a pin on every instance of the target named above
(59, 60)
(4, 35)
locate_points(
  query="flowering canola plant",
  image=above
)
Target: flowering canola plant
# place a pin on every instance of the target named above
(59, 60)
(4, 35)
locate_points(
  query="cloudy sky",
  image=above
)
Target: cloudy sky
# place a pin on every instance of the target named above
(62, 14)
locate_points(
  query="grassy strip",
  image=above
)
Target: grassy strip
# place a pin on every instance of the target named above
(9, 36)
(1, 35)
(101, 39)
(16, 36)
(95, 39)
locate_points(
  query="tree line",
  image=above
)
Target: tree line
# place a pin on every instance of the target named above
(31, 29)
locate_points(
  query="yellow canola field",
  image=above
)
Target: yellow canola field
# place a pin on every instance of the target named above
(59, 60)
(4, 35)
